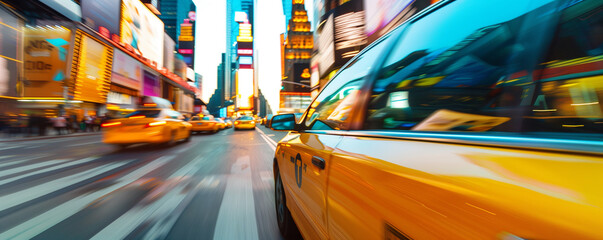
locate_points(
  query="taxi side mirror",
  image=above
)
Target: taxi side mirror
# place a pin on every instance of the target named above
(283, 122)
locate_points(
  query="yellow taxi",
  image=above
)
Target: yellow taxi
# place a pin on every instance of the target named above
(153, 122)
(221, 123)
(244, 122)
(228, 123)
(205, 123)
(472, 120)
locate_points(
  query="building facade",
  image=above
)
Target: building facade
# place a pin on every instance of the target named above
(297, 52)
(84, 61)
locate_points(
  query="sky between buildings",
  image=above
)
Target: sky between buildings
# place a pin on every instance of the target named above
(211, 36)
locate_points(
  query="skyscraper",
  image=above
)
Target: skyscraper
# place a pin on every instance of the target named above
(173, 13)
(232, 31)
(298, 46)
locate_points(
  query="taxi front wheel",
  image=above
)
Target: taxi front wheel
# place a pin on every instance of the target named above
(283, 217)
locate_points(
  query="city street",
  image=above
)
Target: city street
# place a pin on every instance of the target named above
(217, 186)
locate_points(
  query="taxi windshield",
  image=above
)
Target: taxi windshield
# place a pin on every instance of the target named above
(206, 118)
(145, 113)
(246, 118)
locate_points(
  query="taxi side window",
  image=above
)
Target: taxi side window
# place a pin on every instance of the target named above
(569, 96)
(331, 108)
(456, 68)
(174, 115)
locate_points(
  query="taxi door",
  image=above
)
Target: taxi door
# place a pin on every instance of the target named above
(305, 171)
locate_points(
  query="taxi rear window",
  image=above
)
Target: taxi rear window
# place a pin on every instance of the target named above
(145, 113)
(206, 118)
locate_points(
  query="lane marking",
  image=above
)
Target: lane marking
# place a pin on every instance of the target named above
(236, 217)
(46, 220)
(16, 198)
(168, 208)
(271, 143)
(29, 167)
(69, 164)
(82, 144)
(11, 147)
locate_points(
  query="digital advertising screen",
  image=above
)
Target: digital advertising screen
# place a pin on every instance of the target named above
(45, 60)
(93, 80)
(143, 30)
(151, 85)
(101, 13)
(127, 71)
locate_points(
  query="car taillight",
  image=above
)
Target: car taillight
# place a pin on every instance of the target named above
(111, 124)
(236, 122)
(154, 124)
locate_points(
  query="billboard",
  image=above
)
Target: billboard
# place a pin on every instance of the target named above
(245, 88)
(151, 85)
(142, 30)
(10, 38)
(169, 45)
(384, 15)
(101, 13)
(127, 71)
(93, 77)
(45, 56)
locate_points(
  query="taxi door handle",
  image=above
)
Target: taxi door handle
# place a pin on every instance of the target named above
(318, 162)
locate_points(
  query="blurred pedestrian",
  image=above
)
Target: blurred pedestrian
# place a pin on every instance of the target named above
(59, 123)
(87, 123)
(43, 123)
(96, 123)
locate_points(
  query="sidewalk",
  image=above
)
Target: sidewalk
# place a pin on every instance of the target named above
(51, 133)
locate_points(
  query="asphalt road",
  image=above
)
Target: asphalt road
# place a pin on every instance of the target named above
(217, 186)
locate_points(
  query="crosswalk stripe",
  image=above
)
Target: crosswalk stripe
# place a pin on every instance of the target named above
(45, 170)
(30, 167)
(14, 199)
(46, 220)
(175, 200)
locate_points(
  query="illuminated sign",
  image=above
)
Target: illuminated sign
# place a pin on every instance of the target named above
(142, 30)
(245, 60)
(326, 47)
(245, 88)
(245, 51)
(245, 33)
(101, 14)
(192, 16)
(241, 17)
(93, 75)
(305, 73)
(349, 31)
(45, 49)
(127, 71)
(186, 31)
(185, 51)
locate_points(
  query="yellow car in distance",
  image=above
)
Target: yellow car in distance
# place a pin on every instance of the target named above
(244, 122)
(206, 123)
(154, 122)
(221, 123)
